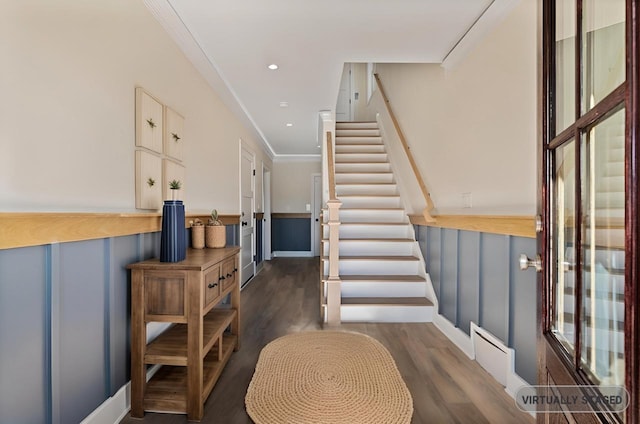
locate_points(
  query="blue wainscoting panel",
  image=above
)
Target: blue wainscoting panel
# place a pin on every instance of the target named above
(490, 291)
(494, 285)
(82, 359)
(523, 301)
(433, 258)
(291, 234)
(149, 245)
(232, 235)
(24, 336)
(123, 252)
(449, 276)
(468, 280)
(259, 243)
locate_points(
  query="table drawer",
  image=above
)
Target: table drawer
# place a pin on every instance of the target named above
(228, 273)
(212, 285)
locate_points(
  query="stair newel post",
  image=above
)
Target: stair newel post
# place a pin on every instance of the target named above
(333, 205)
(334, 282)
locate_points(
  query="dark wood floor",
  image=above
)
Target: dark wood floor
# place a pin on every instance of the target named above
(284, 298)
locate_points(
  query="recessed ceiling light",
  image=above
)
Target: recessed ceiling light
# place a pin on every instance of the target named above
(273, 66)
(284, 104)
(289, 124)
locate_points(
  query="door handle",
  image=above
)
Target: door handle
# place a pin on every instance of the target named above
(317, 220)
(526, 263)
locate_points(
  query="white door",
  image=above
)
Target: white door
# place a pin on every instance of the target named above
(316, 208)
(343, 107)
(247, 238)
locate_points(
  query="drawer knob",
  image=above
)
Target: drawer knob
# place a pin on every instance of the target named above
(212, 285)
(229, 275)
(235, 270)
(221, 277)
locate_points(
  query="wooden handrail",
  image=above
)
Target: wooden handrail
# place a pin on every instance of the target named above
(332, 167)
(407, 149)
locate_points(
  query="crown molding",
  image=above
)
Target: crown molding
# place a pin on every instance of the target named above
(166, 15)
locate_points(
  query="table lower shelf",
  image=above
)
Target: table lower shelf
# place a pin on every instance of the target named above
(167, 389)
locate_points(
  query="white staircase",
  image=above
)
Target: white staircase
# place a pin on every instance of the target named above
(381, 267)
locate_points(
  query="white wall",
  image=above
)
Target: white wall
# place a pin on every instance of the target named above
(472, 129)
(69, 69)
(291, 185)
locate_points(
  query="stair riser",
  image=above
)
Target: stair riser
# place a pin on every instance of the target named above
(614, 169)
(364, 178)
(358, 313)
(383, 289)
(363, 167)
(375, 267)
(606, 237)
(358, 132)
(358, 140)
(610, 184)
(616, 155)
(369, 202)
(610, 200)
(366, 189)
(356, 125)
(367, 248)
(377, 231)
(364, 215)
(359, 148)
(362, 157)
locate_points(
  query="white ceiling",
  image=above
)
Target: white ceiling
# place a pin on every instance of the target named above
(231, 42)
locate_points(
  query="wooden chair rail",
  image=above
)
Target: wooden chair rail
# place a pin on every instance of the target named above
(407, 149)
(23, 229)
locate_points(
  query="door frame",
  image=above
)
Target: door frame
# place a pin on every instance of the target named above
(248, 149)
(316, 237)
(630, 98)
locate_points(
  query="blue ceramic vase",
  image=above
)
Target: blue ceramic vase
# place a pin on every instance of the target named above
(173, 239)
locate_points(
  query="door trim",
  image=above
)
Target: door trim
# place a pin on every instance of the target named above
(248, 149)
(316, 245)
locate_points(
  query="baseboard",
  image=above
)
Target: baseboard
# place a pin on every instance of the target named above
(114, 409)
(455, 335)
(463, 341)
(292, 254)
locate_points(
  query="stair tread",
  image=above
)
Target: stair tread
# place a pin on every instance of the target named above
(371, 209)
(366, 184)
(359, 146)
(387, 301)
(369, 195)
(375, 223)
(375, 239)
(361, 163)
(380, 278)
(364, 173)
(376, 258)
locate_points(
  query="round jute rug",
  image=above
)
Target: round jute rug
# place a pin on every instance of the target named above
(327, 377)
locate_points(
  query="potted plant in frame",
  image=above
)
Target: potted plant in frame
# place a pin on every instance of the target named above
(215, 232)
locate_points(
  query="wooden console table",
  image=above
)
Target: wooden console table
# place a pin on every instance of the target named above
(196, 348)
